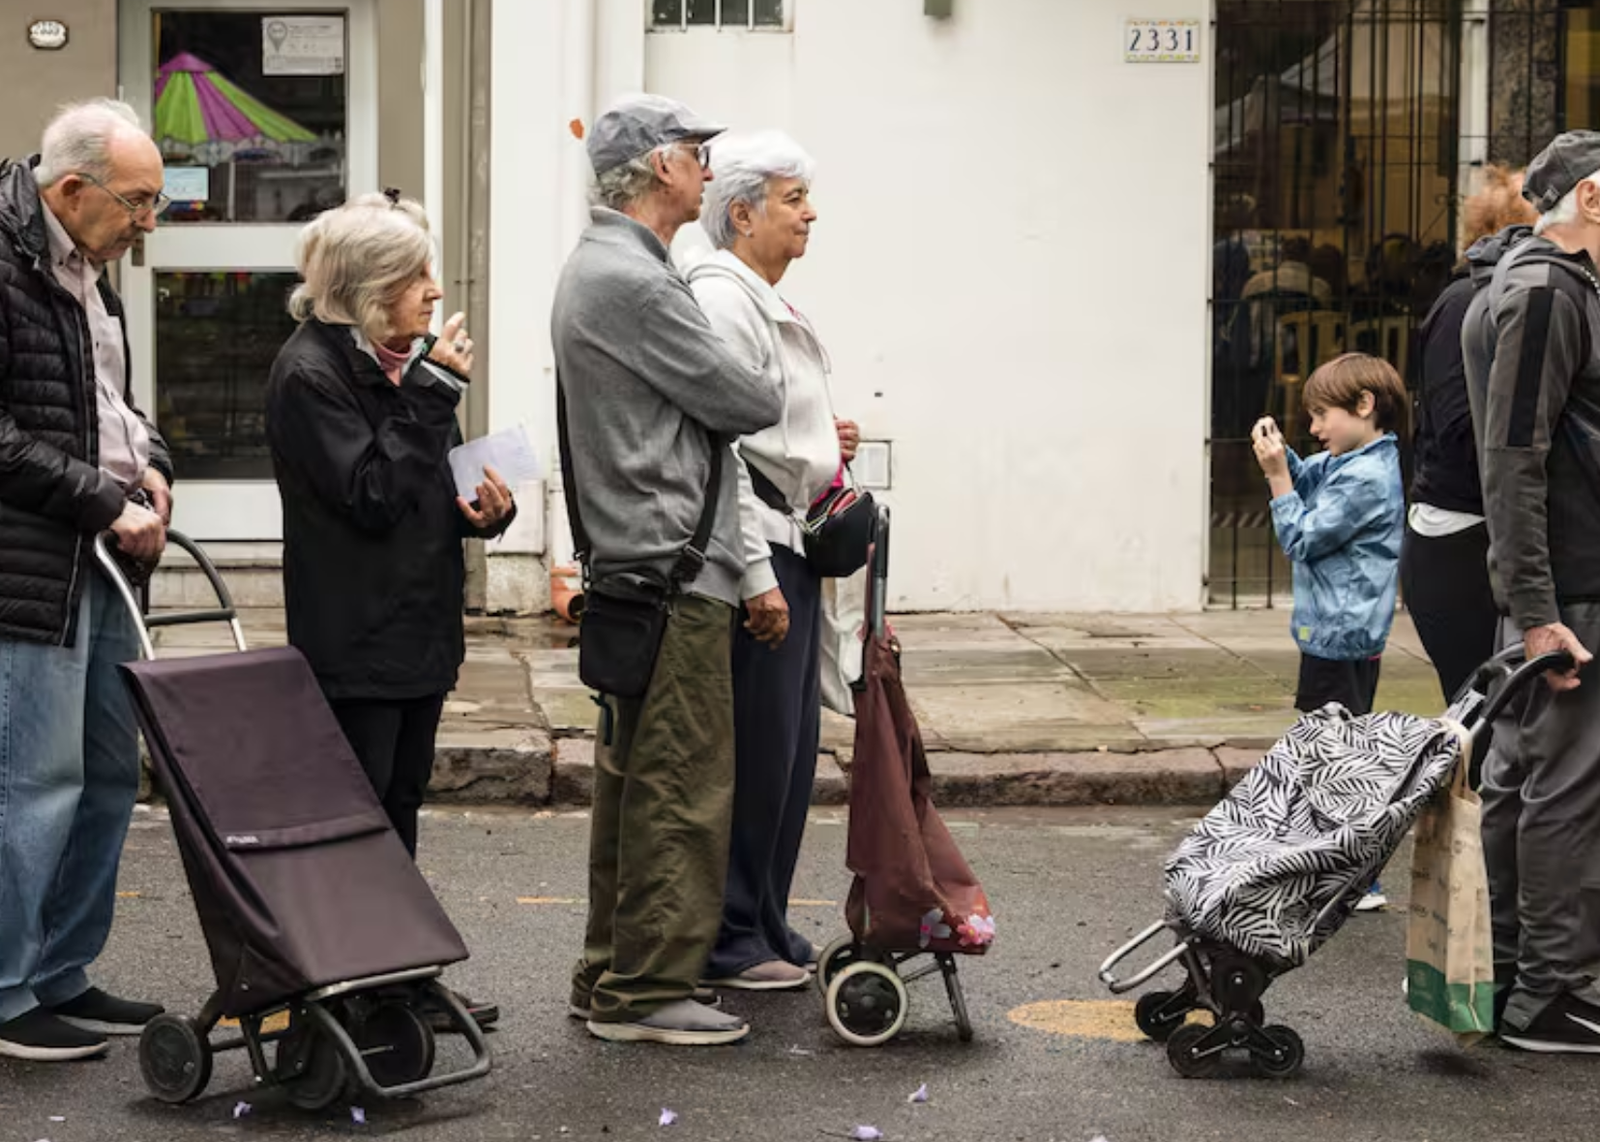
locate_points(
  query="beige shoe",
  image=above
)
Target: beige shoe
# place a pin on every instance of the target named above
(702, 995)
(774, 975)
(681, 1024)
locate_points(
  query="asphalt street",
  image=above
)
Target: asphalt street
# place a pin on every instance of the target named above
(1054, 1056)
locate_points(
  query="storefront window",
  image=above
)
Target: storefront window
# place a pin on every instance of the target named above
(216, 331)
(1335, 146)
(250, 114)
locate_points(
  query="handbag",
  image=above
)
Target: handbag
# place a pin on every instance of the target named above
(837, 530)
(625, 613)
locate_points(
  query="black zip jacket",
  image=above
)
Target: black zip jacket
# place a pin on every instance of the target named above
(53, 496)
(373, 571)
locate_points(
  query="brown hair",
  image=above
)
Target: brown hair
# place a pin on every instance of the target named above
(1340, 382)
(1498, 204)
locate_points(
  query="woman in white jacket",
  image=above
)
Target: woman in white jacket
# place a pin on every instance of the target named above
(758, 215)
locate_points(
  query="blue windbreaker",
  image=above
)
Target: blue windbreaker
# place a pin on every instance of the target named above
(1341, 527)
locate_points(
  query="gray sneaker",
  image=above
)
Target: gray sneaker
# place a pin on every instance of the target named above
(705, 995)
(681, 1024)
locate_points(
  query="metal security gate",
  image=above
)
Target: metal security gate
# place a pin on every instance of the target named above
(1337, 152)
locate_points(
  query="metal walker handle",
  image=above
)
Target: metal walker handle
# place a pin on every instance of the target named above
(145, 623)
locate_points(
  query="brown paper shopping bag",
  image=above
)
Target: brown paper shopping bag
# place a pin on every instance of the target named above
(1449, 946)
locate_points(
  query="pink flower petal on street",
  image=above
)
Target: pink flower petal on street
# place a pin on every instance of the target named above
(668, 1118)
(240, 1109)
(920, 1094)
(358, 1116)
(867, 1134)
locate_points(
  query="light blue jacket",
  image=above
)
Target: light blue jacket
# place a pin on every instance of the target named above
(1341, 528)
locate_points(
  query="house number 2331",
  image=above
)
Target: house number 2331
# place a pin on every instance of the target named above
(1161, 41)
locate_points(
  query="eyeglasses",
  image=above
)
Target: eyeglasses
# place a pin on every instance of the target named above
(136, 210)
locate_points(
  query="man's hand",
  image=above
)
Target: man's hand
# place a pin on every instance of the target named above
(1556, 636)
(849, 438)
(161, 492)
(140, 532)
(769, 617)
(494, 502)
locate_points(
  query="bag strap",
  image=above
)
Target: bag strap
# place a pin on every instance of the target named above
(693, 556)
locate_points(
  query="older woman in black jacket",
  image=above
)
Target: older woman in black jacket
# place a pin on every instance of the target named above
(361, 416)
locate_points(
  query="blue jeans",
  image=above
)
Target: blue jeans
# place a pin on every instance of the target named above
(69, 775)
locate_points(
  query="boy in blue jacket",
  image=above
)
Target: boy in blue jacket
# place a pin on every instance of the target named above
(1339, 517)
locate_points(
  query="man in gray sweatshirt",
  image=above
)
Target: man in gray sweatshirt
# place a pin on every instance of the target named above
(1533, 377)
(651, 393)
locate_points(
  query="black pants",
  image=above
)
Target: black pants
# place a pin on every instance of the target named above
(1446, 586)
(777, 718)
(394, 742)
(1322, 680)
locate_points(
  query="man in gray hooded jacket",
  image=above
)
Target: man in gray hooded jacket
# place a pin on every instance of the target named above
(1529, 341)
(651, 394)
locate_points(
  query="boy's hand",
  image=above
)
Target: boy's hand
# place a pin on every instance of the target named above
(1270, 451)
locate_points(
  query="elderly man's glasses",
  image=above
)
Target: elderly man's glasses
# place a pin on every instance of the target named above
(136, 210)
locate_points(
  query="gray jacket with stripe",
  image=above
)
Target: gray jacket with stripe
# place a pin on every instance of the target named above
(1533, 378)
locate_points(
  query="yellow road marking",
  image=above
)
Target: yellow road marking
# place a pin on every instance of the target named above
(813, 903)
(1109, 1019)
(129, 895)
(278, 1022)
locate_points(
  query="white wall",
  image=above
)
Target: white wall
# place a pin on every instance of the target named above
(1010, 271)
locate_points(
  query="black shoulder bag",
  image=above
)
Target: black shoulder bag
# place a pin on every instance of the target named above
(625, 614)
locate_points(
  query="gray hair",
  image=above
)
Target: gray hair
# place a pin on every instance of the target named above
(1565, 211)
(79, 139)
(357, 259)
(629, 184)
(741, 168)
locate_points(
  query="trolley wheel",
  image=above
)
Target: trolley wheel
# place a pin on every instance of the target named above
(1286, 1060)
(867, 1004)
(395, 1042)
(174, 1058)
(1181, 1052)
(833, 959)
(323, 1074)
(1153, 1020)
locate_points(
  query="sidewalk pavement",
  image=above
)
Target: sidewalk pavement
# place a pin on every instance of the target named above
(1024, 709)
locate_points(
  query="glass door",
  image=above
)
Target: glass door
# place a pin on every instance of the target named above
(266, 115)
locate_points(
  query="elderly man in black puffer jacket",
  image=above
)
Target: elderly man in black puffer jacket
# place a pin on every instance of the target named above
(76, 458)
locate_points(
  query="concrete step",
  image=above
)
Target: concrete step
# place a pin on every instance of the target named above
(253, 572)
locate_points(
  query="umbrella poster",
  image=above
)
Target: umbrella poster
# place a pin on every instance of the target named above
(199, 109)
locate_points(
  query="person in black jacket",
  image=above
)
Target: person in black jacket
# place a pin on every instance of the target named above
(361, 414)
(76, 458)
(1444, 561)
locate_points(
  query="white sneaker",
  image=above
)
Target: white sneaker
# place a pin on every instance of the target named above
(1373, 901)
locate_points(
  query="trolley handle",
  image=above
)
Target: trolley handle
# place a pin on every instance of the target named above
(878, 595)
(1504, 669)
(145, 623)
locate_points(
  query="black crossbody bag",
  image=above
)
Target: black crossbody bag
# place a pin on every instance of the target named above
(837, 530)
(625, 615)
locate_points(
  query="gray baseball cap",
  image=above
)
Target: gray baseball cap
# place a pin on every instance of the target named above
(638, 125)
(1556, 170)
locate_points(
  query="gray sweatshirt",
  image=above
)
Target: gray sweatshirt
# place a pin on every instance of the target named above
(650, 391)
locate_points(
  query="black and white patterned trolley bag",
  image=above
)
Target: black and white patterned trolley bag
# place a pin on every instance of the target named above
(1330, 802)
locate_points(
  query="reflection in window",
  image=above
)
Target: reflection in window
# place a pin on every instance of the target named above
(249, 112)
(217, 333)
(1335, 148)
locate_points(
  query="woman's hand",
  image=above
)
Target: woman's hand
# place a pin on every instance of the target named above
(769, 617)
(849, 438)
(494, 502)
(1269, 447)
(454, 347)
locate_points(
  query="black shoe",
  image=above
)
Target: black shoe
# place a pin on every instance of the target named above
(39, 1036)
(104, 1014)
(1568, 1025)
(485, 1015)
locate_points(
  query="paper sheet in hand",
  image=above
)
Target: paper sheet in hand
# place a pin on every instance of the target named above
(507, 452)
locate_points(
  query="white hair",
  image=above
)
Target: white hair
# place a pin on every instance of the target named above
(1565, 211)
(741, 167)
(357, 259)
(78, 139)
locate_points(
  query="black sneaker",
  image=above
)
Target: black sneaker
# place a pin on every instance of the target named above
(104, 1014)
(40, 1037)
(1568, 1025)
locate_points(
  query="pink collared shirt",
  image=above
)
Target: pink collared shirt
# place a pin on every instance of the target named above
(124, 441)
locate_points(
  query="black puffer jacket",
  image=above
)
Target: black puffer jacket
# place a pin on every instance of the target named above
(372, 562)
(53, 495)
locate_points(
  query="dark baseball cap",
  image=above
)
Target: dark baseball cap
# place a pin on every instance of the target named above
(638, 125)
(1556, 170)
